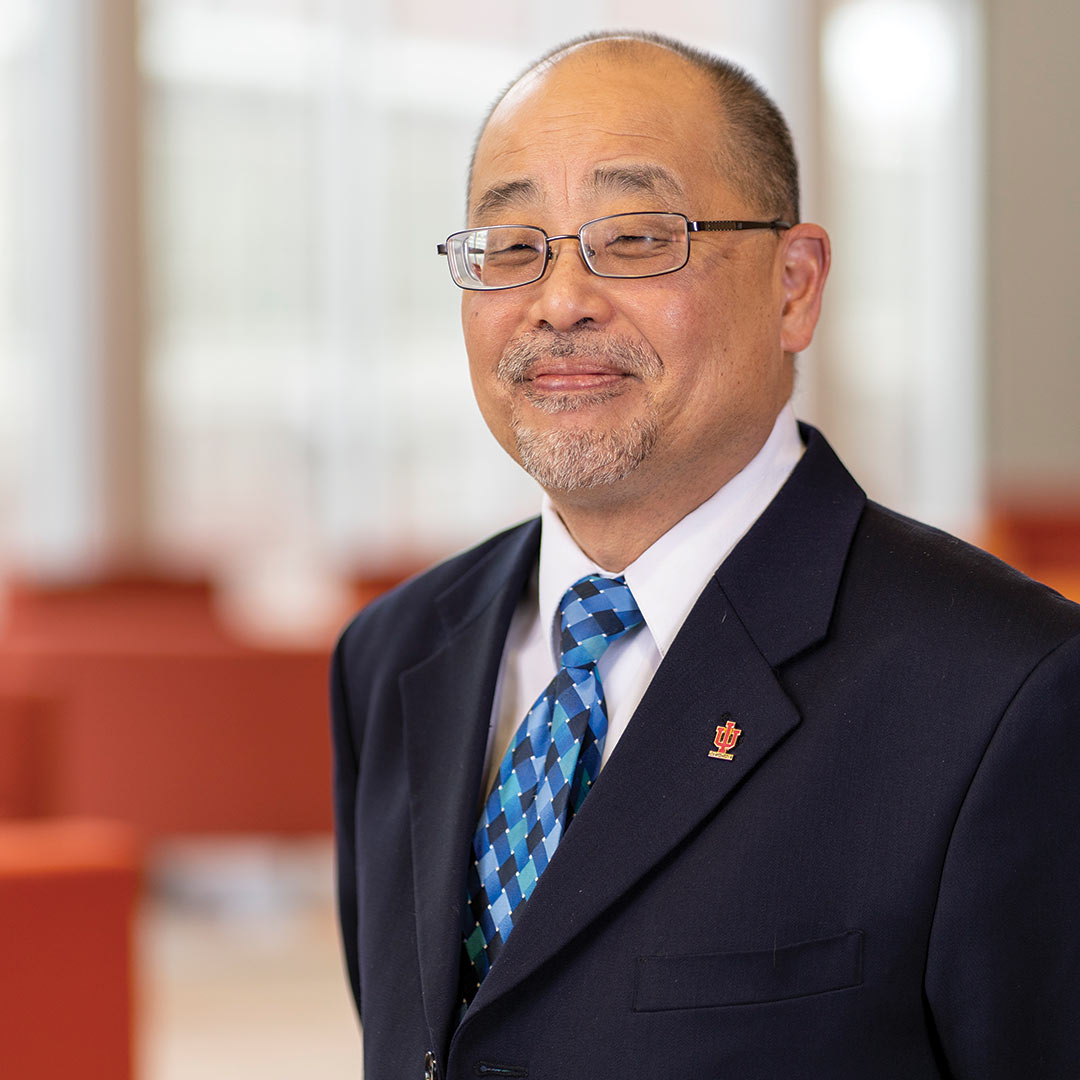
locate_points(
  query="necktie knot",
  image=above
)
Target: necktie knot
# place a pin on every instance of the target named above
(594, 612)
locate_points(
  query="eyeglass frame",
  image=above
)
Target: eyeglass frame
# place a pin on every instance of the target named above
(692, 227)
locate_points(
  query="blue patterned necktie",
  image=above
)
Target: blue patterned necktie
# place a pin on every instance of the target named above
(546, 773)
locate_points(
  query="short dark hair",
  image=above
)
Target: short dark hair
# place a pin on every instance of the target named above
(758, 155)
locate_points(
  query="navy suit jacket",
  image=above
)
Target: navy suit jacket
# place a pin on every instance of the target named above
(883, 881)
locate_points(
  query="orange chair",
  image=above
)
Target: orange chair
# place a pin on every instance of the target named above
(67, 895)
(149, 711)
(181, 741)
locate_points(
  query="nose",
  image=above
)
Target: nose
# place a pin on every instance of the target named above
(569, 294)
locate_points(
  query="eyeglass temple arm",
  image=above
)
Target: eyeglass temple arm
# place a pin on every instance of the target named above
(736, 226)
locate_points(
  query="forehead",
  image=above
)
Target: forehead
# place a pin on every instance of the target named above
(643, 120)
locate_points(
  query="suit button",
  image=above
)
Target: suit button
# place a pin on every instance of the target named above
(431, 1066)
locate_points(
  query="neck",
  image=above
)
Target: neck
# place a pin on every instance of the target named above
(613, 529)
(614, 524)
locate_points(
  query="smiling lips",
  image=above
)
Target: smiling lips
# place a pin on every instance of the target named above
(562, 376)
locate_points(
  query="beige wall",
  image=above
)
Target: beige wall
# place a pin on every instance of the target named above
(1033, 264)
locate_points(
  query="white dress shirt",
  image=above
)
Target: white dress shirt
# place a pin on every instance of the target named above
(666, 580)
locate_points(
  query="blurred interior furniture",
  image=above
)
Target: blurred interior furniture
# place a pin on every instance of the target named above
(129, 699)
(67, 895)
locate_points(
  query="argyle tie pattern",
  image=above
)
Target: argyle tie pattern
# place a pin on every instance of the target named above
(546, 773)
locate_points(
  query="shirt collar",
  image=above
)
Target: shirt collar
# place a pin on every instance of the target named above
(668, 577)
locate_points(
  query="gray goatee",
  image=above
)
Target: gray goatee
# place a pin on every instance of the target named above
(567, 459)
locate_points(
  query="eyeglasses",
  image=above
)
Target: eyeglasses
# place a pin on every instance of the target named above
(616, 246)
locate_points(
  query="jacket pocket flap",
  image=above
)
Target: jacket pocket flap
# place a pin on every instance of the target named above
(744, 978)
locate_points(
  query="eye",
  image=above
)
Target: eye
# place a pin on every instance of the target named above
(512, 253)
(644, 236)
(636, 245)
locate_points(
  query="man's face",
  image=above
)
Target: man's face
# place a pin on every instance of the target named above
(623, 388)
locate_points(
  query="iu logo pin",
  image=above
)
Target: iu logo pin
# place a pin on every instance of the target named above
(727, 735)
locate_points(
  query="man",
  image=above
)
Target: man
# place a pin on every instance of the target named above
(800, 798)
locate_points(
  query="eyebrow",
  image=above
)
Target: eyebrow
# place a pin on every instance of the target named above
(513, 191)
(647, 179)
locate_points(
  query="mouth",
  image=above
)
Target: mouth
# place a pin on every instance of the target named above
(568, 368)
(563, 376)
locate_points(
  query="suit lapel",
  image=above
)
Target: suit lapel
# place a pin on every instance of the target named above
(772, 599)
(446, 706)
(659, 783)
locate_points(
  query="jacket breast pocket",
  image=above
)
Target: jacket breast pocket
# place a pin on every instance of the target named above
(745, 978)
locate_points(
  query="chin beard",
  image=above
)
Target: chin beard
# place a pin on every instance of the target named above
(568, 460)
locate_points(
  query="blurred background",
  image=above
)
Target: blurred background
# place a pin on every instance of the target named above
(234, 407)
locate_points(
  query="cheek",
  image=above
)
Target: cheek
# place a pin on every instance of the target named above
(663, 317)
(485, 340)
(683, 312)
(713, 367)
(481, 349)
(471, 326)
(695, 341)
(487, 328)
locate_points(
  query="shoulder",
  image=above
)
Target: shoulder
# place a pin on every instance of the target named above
(409, 619)
(906, 573)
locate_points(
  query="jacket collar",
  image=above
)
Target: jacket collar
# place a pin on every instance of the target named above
(783, 576)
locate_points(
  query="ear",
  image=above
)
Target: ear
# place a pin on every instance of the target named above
(804, 258)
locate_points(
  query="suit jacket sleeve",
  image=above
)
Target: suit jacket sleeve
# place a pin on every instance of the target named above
(1003, 975)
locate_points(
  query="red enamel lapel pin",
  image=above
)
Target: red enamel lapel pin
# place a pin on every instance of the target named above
(727, 735)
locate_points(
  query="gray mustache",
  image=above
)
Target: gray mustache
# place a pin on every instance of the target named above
(624, 355)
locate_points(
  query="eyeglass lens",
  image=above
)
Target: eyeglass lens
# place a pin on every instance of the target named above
(623, 245)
